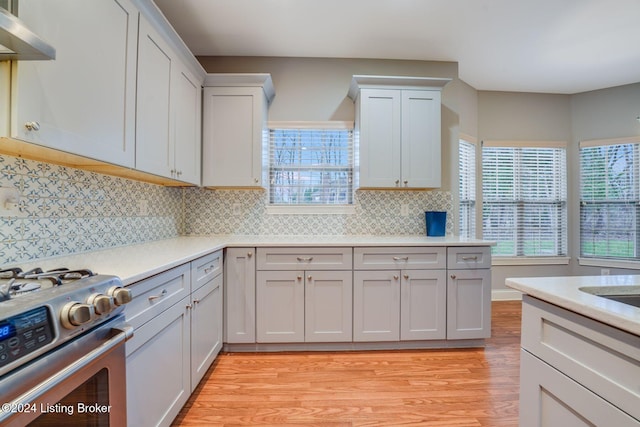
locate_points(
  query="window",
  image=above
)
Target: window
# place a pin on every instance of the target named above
(467, 187)
(525, 198)
(609, 199)
(311, 164)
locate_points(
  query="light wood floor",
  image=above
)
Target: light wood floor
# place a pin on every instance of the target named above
(461, 387)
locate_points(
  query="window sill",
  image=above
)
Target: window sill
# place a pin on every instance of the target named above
(311, 210)
(611, 263)
(559, 260)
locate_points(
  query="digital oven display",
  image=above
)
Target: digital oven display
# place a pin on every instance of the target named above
(24, 333)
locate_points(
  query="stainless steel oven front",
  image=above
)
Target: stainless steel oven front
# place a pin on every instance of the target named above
(82, 383)
(62, 348)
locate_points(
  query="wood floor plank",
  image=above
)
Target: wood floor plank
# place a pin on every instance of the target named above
(452, 387)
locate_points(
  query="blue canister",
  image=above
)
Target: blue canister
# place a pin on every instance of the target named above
(436, 223)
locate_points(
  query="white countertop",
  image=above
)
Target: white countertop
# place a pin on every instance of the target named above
(137, 262)
(565, 292)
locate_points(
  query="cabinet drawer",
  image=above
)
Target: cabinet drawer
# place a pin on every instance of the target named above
(304, 258)
(156, 294)
(206, 268)
(461, 258)
(406, 258)
(603, 359)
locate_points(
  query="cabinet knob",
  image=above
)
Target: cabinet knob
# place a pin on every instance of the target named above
(309, 277)
(179, 173)
(395, 277)
(35, 126)
(256, 180)
(453, 276)
(249, 254)
(406, 183)
(397, 182)
(406, 276)
(299, 277)
(188, 306)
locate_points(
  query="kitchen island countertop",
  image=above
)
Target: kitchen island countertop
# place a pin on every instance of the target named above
(565, 292)
(137, 262)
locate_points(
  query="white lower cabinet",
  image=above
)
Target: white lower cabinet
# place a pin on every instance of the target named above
(393, 305)
(399, 294)
(469, 293)
(575, 371)
(303, 306)
(240, 295)
(177, 319)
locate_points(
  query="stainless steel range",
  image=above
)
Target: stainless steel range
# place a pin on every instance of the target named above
(62, 335)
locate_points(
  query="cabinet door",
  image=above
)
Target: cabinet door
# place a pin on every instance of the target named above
(234, 119)
(548, 398)
(328, 306)
(280, 306)
(423, 305)
(84, 100)
(154, 127)
(469, 304)
(158, 369)
(186, 105)
(240, 295)
(376, 305)
(206, 328)
(421, 157)
(380, 133)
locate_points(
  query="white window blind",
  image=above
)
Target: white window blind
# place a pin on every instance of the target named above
(467, 188)
(525, 197)
(609, 198)
(310, 165)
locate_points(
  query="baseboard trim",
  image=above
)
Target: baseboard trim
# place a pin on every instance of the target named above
(505, 295)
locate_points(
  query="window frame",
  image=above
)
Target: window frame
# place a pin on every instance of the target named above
(309, 208)
(467, 186)
(596, 259)
(519, 257)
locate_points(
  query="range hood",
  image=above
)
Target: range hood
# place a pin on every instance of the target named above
(18, 42)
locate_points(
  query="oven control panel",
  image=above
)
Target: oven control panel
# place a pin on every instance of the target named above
(24, 333)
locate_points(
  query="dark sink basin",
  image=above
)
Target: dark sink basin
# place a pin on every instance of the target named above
(625, 294)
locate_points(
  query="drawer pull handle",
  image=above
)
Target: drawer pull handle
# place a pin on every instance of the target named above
(308, 259)
(154, 297)
(196, 301)
(401, 258)
(209, 269)
(470, 258)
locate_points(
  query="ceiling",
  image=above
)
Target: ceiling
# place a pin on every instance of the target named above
(566, 46)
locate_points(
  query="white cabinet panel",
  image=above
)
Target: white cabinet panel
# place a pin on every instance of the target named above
(423, 305)
(158, 368)
(154, 127)
(84, 100)
(328, 306)
(206, 328)
(186, 102)
(280, 306)
(240, 295)
(469, 304)
(376, 305)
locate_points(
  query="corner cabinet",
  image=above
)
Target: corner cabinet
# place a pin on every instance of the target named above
(397, 131)
(168, 111)
(83, 102)
(177, 316)
(234, 121)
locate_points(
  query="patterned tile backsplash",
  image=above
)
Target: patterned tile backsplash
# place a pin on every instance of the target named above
(68, 211)
(376, 212)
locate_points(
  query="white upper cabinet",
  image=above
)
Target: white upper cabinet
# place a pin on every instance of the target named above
(83, 102)
(397, 131)
(235, 111)
(168, 111)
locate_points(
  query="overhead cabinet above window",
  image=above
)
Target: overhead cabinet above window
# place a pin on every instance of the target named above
(397, 131)
(234, 119)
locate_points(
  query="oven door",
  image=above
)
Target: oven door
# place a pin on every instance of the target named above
(90, 391)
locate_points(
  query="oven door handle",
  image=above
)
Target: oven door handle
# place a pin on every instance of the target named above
(125, 333)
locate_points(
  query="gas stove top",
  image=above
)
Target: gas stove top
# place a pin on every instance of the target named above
(15, 283)
(40, 310)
